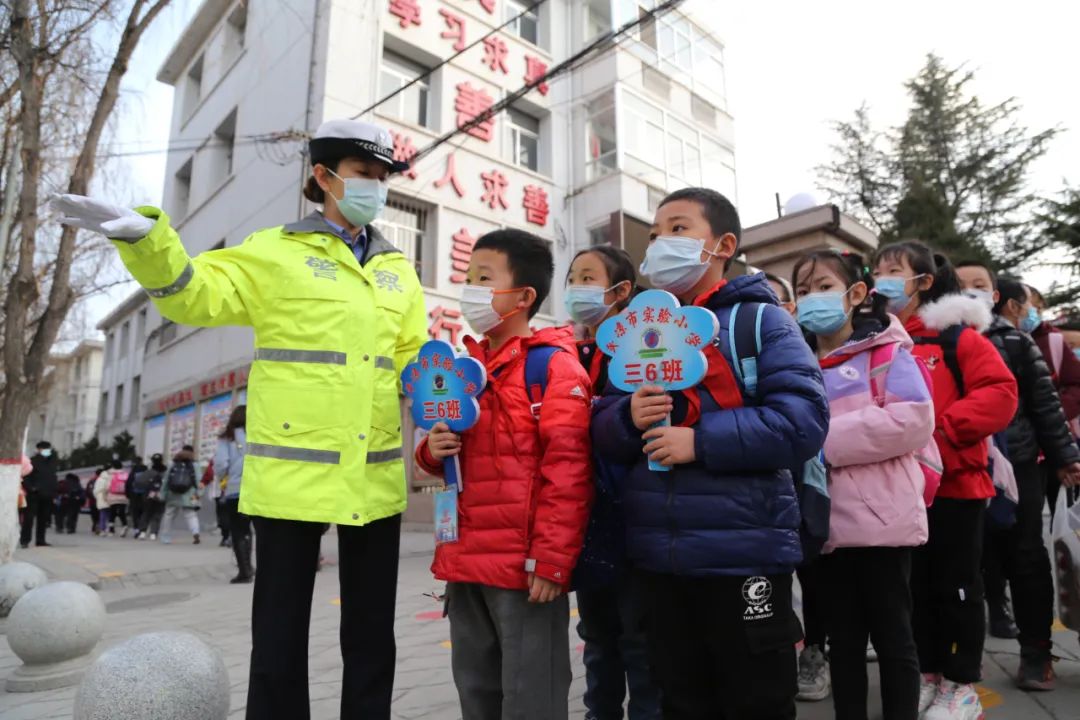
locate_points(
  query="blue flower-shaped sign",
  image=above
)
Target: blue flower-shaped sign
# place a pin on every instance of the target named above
(657, 342)
(443, 387)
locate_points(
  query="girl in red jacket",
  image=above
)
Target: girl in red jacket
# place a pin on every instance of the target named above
(526, 489)
(975, 396)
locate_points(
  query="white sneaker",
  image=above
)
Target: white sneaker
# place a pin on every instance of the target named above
(928, 690)
(814, 682)
(955, 702)
(153, 536)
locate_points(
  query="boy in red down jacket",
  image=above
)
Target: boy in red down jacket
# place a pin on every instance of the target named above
(526, 489)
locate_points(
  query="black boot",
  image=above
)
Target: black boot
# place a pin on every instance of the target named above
(242, 550)
(1036, 671)
(1002, 625)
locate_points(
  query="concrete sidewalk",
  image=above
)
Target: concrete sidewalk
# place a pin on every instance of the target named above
(148, 587)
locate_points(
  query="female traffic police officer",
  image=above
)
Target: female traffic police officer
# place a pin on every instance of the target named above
(337, 312)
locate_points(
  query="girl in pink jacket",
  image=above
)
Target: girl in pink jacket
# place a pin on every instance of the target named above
(882, 414)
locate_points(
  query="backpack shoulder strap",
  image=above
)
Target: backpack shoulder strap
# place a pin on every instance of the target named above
(744, 333)
(948, 341)
(881, 358)
(1057, 352)
(537, 360)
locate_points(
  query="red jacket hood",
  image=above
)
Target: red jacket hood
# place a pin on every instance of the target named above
(948, 311)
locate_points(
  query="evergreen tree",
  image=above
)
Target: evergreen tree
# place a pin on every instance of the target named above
(954, 174)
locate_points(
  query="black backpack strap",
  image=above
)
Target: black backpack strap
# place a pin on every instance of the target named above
(947, 340)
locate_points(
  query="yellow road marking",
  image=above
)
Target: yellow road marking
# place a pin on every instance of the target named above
(574, 612)
(336, 601)
(988, 697)
(111, 574)
(1058, 626)
(445, 644)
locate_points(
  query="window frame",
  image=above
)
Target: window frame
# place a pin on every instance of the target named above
(512, 9)
(515, 131)
(405, 70)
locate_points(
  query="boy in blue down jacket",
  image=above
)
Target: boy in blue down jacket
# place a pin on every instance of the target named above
(716, 538)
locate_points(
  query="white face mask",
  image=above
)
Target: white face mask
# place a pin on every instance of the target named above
(673, 263)
(477, 309)
(46, 452)
(986, 297)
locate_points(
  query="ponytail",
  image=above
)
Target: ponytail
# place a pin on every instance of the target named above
(924, 262)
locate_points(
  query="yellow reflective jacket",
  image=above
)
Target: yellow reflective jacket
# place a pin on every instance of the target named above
(331, 339)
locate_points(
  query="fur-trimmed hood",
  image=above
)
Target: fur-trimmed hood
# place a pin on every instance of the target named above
(956, 310)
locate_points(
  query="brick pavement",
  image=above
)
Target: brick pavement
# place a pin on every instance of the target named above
(149, 587)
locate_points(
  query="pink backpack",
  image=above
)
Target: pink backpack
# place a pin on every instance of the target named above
(1057, 357)
(117, 482)
(929, 457)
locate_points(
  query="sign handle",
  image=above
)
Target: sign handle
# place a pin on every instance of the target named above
(655, 466)
(452, 473)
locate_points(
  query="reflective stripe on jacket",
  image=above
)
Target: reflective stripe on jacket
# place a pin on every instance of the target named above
(331, 338)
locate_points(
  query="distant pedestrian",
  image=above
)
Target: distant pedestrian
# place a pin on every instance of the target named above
(135, 488)
(153, 480)
(71, 502)
(40, 487)
(214, 489)
(229, 468)
(91, 502)
(181, 494)
(111, 500)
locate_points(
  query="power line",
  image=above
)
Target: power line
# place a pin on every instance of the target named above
(602, 44)
(425, 75)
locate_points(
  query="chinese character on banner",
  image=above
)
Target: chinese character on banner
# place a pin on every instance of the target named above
(495, 184)
(460, 255)
(455, 31)
(536, 205)
(404, 151)
(451, 177)
(534, 69)
(495, 54)
(407, 12)
(488, 5)
(444, 320)
(469, 104)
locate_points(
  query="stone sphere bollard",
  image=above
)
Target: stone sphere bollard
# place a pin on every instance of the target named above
(17, 579)
(53, 629)
(163, 675)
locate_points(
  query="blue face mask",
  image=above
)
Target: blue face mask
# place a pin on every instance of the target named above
(1031, 321)
(1076, 352)
(585, 303)
(674, 264)
(363, 200)
(894, 289)
(822, 313)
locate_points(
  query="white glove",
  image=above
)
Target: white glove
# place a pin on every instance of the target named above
(112, 221)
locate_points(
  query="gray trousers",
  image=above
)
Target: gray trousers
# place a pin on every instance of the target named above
(511, 658)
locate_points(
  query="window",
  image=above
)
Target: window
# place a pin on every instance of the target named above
(182, 191)
(523, 24)
(708, 57)
(600, 150)
(654, 198)
(597, 18)
(522, 139)
(647, 30)
(404, 224)
(103, 408)
(193, 87)
(644, 136)
(674, 43)
(125, 340)
(140, 332)
(110, 347)
(718, 165)
(166, 333)
(221, 149)
(684, 156)
(702, 110)
(136, 388)
(600, 235)
(235, 29)
(411, 105)
(78, 369)
(219, 245)
(118, 411)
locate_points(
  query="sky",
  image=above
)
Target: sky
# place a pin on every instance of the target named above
(791, 69)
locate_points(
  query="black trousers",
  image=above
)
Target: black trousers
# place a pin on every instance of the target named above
(237, 523)
(137, 504)
(813, 612)
(722, 647)
(70, 509)
(867, 595)
(287, 556)
(946, 587)
(1018, 555)
(38, 510)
